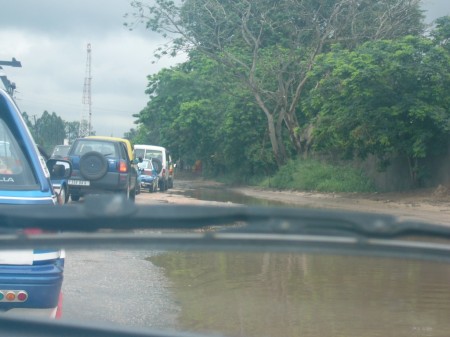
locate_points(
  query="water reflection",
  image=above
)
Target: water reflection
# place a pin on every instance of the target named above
(247, 294)
(226, 195)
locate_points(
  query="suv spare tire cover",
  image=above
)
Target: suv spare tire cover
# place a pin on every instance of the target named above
(93, 165)
(157, 165)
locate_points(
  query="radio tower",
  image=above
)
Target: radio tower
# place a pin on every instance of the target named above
(86, 114)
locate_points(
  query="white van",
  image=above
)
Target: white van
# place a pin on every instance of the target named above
(160, 153)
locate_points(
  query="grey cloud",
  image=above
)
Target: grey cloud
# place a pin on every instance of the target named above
(66, 17)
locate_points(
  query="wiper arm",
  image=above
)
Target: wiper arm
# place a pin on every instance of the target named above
(118, 224)
(113, 213)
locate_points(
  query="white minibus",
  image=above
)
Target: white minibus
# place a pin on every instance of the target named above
(166, 174)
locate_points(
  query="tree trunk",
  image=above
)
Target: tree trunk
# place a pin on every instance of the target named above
(277, 146)
(293, 127)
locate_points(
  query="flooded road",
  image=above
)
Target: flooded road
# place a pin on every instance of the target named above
(117, 287)
(257, 294)
(308, 295)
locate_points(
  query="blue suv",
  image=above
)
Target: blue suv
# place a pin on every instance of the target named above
(30, 280)
(102, 164)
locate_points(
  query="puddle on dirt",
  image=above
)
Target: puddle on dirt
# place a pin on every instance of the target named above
(225, 195)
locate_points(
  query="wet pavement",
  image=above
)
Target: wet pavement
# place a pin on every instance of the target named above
(119, 287)
(250, 294)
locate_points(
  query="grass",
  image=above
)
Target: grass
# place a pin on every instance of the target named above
(311, 175)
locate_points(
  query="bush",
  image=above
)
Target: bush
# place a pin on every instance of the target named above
(311, 175)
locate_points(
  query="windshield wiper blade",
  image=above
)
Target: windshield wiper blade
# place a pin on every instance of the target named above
(113, 213)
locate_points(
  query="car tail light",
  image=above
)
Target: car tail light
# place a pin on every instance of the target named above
(163, 172)
(10, 296)
(22, 296)
(13, 295)
(123, 168)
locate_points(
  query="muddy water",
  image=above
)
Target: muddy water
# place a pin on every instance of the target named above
(225, 195)
(288, 295)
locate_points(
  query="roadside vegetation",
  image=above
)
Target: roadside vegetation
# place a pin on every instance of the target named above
(345, 80)
(50, 130)
(311, 175)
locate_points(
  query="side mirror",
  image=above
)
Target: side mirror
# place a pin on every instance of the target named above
(59, 169)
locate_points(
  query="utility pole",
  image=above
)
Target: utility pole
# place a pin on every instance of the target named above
(85, 122)
(9, 86)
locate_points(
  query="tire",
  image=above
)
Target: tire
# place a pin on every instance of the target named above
(74, 197)
(157, 165)
(126, 193)
(63, 197)
(163, 186)
(133, 194)
(138, 188)
(67, 195)
(93, 165)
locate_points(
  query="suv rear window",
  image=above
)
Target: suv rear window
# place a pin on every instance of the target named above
(149, 154)
(146, 165)
(108, 149)
(15, 170)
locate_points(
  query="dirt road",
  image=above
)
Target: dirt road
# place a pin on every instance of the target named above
(425, 205)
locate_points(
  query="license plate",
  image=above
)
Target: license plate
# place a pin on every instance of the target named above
(79, 182)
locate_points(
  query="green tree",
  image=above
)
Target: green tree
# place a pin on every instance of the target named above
(131, 134)
(72, 130)
(198, 113)
(49, 130)
(387, 98)
(27, 120)
(271, 46)
(441, 33)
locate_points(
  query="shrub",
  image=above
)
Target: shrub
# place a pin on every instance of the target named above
(311, 175)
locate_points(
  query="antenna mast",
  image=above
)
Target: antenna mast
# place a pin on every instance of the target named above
(85, 122)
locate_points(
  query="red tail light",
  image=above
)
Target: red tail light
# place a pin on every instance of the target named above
(13, 295)
(22, 296)
(123, 168)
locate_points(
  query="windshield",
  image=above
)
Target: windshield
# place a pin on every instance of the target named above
(61, 150)
(148, 154)
(15, 170)
(288, 168)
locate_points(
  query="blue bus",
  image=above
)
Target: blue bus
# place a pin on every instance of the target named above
(30, 280)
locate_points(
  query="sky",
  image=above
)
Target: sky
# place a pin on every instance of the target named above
(50, 38)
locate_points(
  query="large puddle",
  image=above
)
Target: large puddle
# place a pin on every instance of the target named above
(254, 295)
(288, 295)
